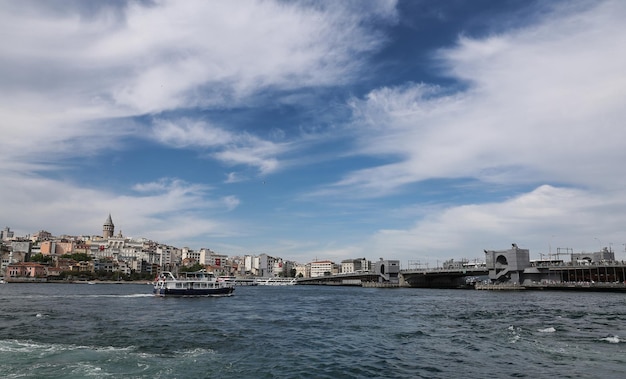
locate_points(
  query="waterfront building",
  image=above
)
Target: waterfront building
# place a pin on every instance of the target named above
(388, 270)
(349, 266)
(25, 270)
(303, 270)
(514, 267)
(507, 265)
(323, 268)
(5, 259)
(103, 265)
(266, 266)
(83, 266)
(251, 264)
(279, 268)
(605, 255)
(288, 268)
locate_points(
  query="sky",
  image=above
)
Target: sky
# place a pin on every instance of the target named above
(413, 130)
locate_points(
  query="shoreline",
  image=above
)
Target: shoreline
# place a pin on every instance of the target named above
(89, 282)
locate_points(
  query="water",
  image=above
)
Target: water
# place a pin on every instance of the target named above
(115, 331)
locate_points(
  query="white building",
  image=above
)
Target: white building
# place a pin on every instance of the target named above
(349, 266)
(189, 255)
(322, 268)
(303, 271)
(251, 264)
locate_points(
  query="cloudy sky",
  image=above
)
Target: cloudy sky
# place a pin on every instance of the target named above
(410, 130)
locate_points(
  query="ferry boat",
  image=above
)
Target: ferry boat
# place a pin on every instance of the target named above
(276, 281)
(191, 284)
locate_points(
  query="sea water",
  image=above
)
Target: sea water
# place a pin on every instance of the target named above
(122, 331)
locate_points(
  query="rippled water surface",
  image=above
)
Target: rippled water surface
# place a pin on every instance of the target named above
(114, 331)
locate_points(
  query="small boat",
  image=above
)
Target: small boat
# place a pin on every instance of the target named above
(191, 284)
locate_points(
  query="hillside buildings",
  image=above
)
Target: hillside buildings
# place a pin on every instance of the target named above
(116, 253)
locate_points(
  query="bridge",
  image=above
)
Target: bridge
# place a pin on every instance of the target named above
(443, 277)
(351, 279)
(423, 278)
(511, 267)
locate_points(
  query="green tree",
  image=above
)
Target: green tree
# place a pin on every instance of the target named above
(41, 258)
(192, 268)
(78, 256)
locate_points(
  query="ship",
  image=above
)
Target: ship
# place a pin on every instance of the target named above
(191, 284)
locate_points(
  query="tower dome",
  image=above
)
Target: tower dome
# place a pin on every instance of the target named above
(108, 228)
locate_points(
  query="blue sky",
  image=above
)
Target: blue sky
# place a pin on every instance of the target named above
(410, 130)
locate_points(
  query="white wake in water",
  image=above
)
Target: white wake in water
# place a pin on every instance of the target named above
(547, 330)
(611, 339)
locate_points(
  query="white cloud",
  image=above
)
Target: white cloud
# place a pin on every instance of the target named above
(232, 148)
(187, 132)
(67, 70)
(542, 220)
(543, 104)
(542, 107)
(231, 202)
(169, 210)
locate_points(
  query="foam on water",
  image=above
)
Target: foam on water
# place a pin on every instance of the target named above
(28, 346)
(547, 330)
(35, 359)
(307, 331)
(514, 334)
(611, 339)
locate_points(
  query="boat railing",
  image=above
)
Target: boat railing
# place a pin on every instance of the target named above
(188, 276)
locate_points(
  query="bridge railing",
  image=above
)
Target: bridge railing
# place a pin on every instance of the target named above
(445, 270)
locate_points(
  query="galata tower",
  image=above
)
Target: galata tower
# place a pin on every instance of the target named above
(108, 228)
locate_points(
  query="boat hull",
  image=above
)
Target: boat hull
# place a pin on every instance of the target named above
(194, 292)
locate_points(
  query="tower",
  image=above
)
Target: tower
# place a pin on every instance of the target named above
(108, 228)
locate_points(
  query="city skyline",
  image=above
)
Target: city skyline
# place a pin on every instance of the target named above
(417, 131)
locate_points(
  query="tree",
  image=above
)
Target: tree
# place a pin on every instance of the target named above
(78, 256)
(41, 258)
(192, 268)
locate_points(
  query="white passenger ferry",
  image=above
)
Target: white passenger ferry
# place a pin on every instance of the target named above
(191, 284)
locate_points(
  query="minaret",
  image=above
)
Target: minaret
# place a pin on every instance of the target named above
(108, 228)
